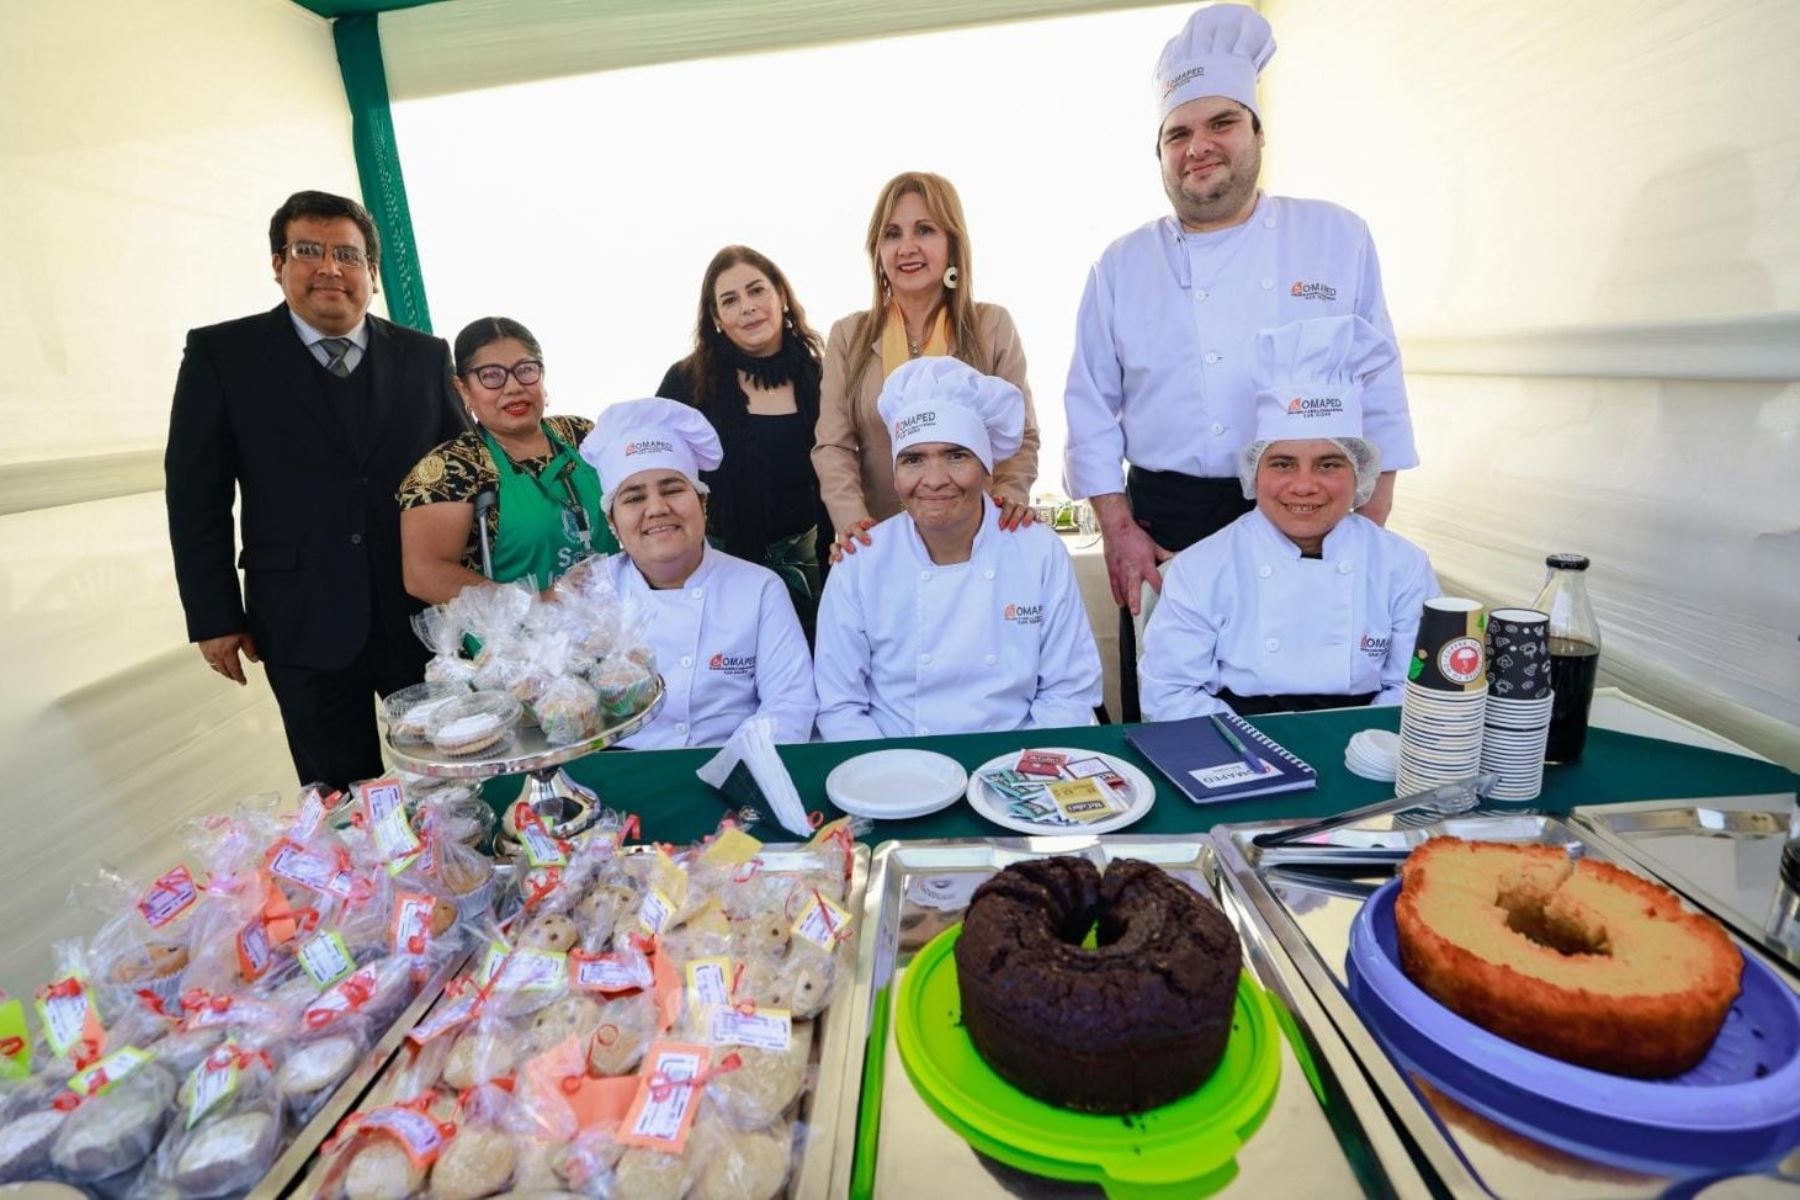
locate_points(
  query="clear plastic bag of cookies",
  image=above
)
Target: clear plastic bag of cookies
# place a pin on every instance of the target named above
(311, 1063)
(481, 1158)
(226, 1129)
(737, 1164)
(387, 1153)
(110, 1133)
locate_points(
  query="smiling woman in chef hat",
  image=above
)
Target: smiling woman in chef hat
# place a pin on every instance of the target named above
(1300, 603)
(947, 623)
(727, 641)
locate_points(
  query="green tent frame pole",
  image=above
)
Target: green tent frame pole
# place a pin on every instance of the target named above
(358, 43)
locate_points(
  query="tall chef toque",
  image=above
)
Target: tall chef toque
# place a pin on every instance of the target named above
(947, 400)
(1219, 52)
(648, 435)
(1310, 377)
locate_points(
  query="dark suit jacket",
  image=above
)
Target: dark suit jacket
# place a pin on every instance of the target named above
(321, 529)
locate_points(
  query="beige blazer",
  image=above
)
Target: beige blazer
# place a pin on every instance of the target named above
(854, 456)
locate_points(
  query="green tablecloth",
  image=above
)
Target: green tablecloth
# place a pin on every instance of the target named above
(674, 806)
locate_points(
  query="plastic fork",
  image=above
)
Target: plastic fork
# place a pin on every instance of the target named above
(1446, 800)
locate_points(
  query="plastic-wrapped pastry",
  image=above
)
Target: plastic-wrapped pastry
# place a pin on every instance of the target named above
(650, 1175)
(474, 724)
(228, 1154)
(626, 1023)
(598, 911)
(410, 711)
(756, 1094)
(624, 685)
(25, 1143)
(800, 982)
(116, 1130)
(550, 931)
(477, 1162)
(483, 1052)
(312, 1068)
(740, 1165)
(381, 1170)
(568, 710)
(574, 1015)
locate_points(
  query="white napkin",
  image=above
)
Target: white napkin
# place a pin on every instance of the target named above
(752, 748)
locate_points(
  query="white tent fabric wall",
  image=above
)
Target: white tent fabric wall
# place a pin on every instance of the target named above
(1589, 219)
(588, 206)
(143, 148)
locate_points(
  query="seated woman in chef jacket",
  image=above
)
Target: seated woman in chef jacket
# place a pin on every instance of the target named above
(947, 623)
(1300, 603)
(727, 642)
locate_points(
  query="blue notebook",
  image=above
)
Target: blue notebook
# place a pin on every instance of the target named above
(1200, 761)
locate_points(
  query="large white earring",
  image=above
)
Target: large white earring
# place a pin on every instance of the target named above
(950, 279)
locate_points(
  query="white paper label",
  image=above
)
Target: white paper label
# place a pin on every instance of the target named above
(168, 897)
(790, 862)
(121, 1064)
(662, 1118)
(655, 912)
(540, 848)
(612, 972)
(207, 1085)
(419, 1135)
(764, 1029)
(534, 971)
(64, 1018)
(412, 920)
(822, 922)
(296, 865)
(448, 1016)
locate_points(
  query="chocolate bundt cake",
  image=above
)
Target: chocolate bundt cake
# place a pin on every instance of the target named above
(1137, 1021)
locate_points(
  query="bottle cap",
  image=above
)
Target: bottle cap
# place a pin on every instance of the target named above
(1567, 562)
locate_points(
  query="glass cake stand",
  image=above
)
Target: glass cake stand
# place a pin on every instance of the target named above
(566, 807)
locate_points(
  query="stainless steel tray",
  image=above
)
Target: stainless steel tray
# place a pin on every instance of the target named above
(830, 1104)
(1724, 853)
(1306, 932)
(1335, 1142)
(284, 1177)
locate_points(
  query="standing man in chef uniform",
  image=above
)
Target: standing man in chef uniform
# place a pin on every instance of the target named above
(946, 623)
(1300, 603)
(727, 641)
(1161, 374)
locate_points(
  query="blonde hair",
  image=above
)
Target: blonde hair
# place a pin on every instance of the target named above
(945, 207)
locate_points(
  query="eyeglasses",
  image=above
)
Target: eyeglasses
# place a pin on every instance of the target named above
(346, 256)
(493, 376)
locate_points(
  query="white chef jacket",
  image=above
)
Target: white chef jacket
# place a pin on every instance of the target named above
(1164, 360)
(728, 646)
(1241, 610)
(908, 647)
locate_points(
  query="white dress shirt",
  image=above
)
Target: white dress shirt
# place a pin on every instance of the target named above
(728, 646)
(907, 647)
(1163, 374)
(1243, 611)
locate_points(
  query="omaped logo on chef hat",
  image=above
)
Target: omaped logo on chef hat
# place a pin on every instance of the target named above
(633, 436)
(1310, 377)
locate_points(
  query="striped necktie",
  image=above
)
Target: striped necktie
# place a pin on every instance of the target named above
(339, 349)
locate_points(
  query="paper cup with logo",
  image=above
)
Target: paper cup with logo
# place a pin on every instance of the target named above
(1450, 654)
(1518, 642)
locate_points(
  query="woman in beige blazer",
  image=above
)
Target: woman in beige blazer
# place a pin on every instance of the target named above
(919, 256)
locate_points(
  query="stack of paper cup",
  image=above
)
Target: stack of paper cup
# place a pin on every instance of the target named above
(1519, 702)
(1446, 697)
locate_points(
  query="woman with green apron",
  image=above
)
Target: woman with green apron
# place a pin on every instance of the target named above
(518, 472)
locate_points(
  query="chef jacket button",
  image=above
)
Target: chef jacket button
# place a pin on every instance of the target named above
(988, 574)
(1212, 356)
(681, 727)
(1217, 429)
(991, 660)
(925, 658)
(356, 539)
(1268, 222)
(924, 574)
(1264, 571)
(923, 729)
(1267, 284)
(1199, 293)
(696, 593)
(1345, 568)
(687, 660)
(1272, 645)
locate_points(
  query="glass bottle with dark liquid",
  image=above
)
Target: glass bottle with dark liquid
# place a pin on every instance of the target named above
(1574, 654)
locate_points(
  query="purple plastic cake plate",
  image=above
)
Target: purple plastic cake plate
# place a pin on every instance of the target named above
(1739, 1110)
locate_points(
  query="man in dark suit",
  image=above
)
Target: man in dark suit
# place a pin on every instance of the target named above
(314, 412)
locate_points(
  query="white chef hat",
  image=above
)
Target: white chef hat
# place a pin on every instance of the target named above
(1310, 377)
(1219, 52)
(946, 400)
(648, 435)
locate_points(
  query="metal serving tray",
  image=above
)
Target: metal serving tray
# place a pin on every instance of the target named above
(1305, 931)
(1724, 853)
(1334, 1141)
(831, 1102)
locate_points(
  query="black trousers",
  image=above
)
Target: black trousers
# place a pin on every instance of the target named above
(329, 716)
(1176, 510)
(1256, 706)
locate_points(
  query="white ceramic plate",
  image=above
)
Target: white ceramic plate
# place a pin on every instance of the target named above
(890, 785)
(995, 807)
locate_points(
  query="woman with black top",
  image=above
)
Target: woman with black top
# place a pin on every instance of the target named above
(755, 374)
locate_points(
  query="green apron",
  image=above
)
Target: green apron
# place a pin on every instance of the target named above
(549, 521)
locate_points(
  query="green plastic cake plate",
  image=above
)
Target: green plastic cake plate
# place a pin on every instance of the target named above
(1187, 1148)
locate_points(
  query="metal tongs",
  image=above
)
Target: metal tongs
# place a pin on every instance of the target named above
(1292, 845)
